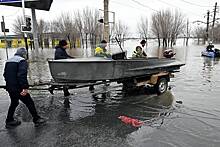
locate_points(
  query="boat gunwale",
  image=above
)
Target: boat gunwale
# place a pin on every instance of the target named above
(107, 60)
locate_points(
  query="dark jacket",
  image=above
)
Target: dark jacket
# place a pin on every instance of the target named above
(15, 74)
(60, 53)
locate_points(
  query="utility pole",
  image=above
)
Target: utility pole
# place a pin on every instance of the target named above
(25, 34)
(187, 32)
(106, 20)
(213, 22)
(207, 27)
(35, 35)
(3, 28)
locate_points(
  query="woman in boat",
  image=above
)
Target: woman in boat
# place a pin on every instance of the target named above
(138, 53)
(101, 50)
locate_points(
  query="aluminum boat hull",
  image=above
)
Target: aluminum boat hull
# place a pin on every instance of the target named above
(93, 69)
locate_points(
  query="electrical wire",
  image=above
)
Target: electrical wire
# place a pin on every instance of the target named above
(194, 4)
(123, 4)
(137, 2)
(178, 7)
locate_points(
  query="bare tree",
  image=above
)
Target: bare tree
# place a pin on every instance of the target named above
(155, 27)
(91, 27)
(79, 25)
(178, 26)
(167, 26)
(217, 33)
(121, 31)
(17, 25)
(200, 32)
(43, 28)
(142, 27)
(66, 27)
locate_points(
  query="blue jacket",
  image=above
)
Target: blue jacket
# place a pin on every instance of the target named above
(60, 53)
(15, 74)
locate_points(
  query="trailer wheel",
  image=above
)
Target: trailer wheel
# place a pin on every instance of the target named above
(161, 86)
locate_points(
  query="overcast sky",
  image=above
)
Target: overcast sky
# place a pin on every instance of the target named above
(128, 11)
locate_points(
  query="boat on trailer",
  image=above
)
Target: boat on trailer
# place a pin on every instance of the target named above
(130, 72)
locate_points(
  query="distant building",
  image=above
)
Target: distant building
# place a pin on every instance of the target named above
(14, 41)
(47, 40)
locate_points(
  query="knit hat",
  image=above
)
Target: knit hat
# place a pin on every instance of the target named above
(143, 41)
(21, 52)
(103, 41)
(62, 43)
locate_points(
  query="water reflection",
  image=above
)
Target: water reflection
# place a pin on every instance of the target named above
(140, 106)
(208, 67)
(181, 52)
(209, 63)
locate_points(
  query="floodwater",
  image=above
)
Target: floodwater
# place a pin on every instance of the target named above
(186, 115)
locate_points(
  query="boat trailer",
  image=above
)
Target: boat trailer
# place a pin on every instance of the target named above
(159, 81)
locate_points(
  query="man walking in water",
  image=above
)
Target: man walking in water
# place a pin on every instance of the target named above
(15, 74)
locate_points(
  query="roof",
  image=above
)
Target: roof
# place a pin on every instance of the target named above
(38, 4)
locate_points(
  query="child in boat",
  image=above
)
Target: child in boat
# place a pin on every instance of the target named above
(138, 53)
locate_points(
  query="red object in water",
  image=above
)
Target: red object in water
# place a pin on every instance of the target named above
(131, 121)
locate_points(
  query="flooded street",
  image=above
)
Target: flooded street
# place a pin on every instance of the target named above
(92, 119)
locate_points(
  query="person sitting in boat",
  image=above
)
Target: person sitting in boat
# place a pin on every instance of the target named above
(60, 52)
(210, 47)
(138, 53)
(101, 50)
(143, 43)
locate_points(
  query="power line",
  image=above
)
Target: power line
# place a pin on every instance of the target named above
(137, 2)
(194, 4)
(168, 4)
(176, 7)
(123, 4)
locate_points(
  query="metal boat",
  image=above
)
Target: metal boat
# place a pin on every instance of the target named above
(82, 70)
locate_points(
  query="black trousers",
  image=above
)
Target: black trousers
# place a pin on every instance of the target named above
(27, 100)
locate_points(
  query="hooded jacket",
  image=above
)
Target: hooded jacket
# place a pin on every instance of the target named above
(60, 53)
(15, 72)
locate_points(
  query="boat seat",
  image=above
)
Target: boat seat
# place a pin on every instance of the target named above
(119, 56)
